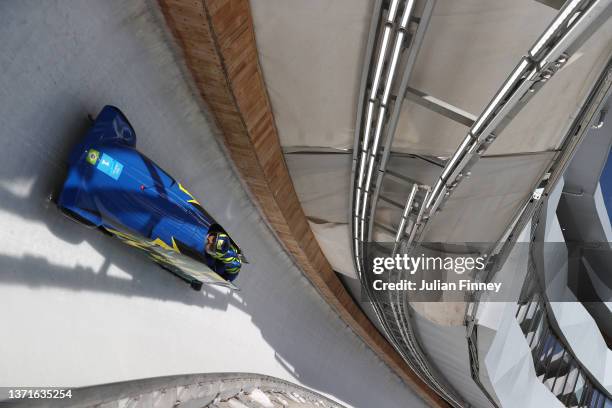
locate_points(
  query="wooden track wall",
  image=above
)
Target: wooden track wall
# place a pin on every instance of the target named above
(217, 39)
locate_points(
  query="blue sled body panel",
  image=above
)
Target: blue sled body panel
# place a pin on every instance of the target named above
(112, 185)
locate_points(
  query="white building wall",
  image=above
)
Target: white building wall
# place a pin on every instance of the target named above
(576, 324)
(507, 367)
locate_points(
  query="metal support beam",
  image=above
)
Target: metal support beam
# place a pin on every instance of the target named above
(314, 150)
(401, 177)
(384, 227)
(441, 107)
(556, 4)
(407, 210)
(416, 43)
(390, 201)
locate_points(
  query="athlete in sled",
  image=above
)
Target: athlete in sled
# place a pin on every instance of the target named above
(113, 187)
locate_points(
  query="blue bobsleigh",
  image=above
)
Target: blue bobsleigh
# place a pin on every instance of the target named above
(113, 187)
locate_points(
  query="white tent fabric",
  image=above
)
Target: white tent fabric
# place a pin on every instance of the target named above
(335, 240)
(479, 211)
(482, 207)
(311, 53)
(322, 182)
(543, 123)
(313, 70)
(469, 50)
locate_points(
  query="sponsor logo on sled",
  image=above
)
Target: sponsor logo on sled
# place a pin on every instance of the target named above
(110, 166)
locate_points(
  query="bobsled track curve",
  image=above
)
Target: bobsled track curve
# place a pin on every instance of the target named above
(79, 308)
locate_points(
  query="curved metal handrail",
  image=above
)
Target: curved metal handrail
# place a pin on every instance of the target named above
(392, 21)
(600, 92)
(178, 391)
(549, 53)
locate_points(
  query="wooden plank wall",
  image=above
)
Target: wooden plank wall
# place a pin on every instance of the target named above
(218, 44)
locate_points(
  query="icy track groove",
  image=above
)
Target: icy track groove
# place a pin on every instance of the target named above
(79, 308)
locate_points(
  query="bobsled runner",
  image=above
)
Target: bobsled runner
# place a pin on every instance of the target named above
(113, 187)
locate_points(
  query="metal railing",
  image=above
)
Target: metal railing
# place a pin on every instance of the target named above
(554, 362)
(389, 68)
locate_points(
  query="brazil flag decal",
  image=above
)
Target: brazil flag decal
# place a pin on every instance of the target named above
(92, 156)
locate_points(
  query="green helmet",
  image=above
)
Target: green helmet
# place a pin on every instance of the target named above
(220, 245)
